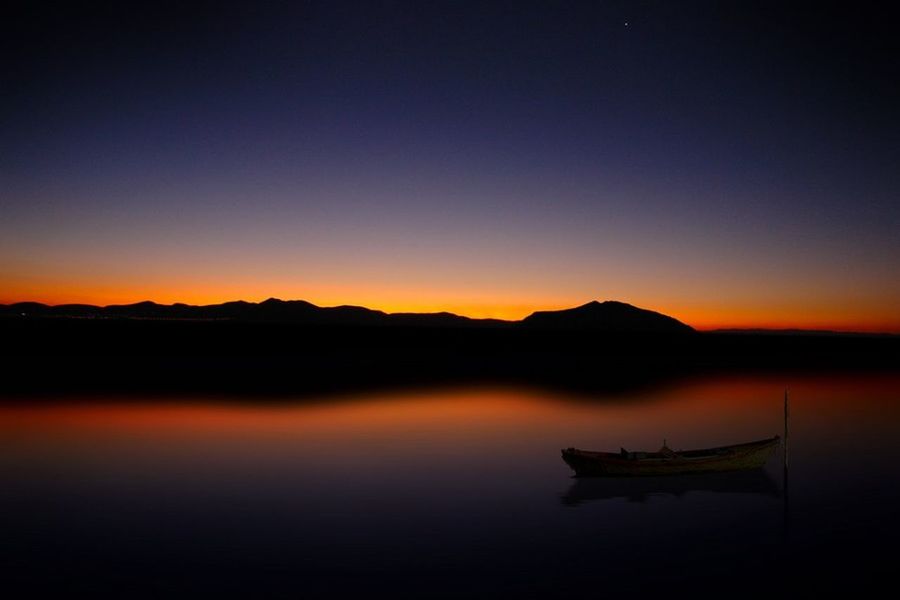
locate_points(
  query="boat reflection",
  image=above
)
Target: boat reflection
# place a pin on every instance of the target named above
(639, 489)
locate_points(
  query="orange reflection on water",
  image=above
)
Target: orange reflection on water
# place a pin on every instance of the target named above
(396, 412)
(693, 413)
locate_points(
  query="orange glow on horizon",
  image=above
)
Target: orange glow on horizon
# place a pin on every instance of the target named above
(709, 316)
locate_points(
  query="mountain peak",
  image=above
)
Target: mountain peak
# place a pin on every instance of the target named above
(610, 315)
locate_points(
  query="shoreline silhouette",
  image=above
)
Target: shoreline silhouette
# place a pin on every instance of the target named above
(610, 315)
(296, 347)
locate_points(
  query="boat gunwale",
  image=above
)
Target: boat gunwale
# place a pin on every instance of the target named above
(717, 453)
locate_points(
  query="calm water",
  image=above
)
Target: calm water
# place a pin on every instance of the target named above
(448, 492)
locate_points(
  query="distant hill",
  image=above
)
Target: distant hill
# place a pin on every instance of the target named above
(272, 310)
(595, 316)
(607, 316)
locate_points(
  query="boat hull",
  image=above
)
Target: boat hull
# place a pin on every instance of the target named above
(739, 457)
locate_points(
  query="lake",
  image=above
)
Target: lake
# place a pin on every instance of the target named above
(449, 492)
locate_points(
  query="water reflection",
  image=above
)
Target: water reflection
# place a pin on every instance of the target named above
(640, 489)
(440, 492)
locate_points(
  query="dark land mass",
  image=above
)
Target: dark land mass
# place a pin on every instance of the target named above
(296, 348)
(606, 316)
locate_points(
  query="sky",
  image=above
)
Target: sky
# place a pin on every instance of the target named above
(731, 164)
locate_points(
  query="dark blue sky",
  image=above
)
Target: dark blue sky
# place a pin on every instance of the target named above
(732, 163)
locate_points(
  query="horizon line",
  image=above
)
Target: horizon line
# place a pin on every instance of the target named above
(770, 328)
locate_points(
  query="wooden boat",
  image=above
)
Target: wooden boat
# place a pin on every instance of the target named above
(752, 455)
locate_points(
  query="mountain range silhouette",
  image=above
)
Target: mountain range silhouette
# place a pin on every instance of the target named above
(286, 348)
(609, 316)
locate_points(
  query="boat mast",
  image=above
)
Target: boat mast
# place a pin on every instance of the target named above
(787, 521)
(785, 429)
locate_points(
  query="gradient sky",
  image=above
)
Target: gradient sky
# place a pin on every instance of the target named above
(730, 164)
